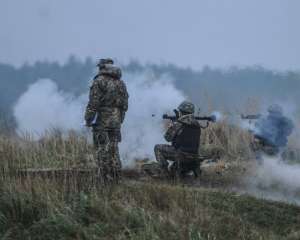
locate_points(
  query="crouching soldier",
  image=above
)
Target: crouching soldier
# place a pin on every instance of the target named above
(184, 136)
(272, 131)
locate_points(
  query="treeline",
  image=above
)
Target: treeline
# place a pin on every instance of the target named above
(223, 88)
(71, 76)
(229, 88)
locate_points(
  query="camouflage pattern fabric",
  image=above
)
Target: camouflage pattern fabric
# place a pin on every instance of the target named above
(186, 107)
(164, 152)
(107, 153)
(274, 129)
(175, 128)
(104, 61)
(172, 131)
(108, 99)
(105, 112)
(182, 162)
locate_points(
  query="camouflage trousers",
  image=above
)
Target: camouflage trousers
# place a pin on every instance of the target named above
(183, 162)
(107, 154)
(164, 152)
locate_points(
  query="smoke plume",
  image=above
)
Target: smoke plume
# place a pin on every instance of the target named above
(149, 99)
(43, 106)
(276, 179)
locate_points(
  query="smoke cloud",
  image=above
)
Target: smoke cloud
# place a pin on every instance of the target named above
(274, 170)
(143, 127)
(43, 106)
(276, 179)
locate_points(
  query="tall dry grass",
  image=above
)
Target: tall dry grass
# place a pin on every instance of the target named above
(53, 150)
(234, 142)
(62, 207)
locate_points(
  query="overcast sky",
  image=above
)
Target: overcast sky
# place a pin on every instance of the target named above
(190, 33)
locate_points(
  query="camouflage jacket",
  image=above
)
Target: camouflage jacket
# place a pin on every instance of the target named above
(108, 100)
(274, 130)
(174, 130)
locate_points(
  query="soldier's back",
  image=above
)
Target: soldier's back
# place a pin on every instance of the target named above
(113, 101)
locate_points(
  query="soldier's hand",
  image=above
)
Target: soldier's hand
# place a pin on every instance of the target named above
(88, 124)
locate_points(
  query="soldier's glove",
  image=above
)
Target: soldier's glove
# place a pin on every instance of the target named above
(89, 120)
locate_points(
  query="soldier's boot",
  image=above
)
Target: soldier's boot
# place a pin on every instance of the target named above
(165, 172)
(173, 170)
(180, 171)
(197, 172)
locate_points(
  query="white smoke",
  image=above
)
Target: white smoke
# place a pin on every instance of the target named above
(247, 124)
(276, 171)
(276, 179)
(143, 127)
(43, 107)
(218, 115)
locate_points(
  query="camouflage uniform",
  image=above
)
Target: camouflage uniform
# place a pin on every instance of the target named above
(108, 103)
(272, 132)
(164, 152)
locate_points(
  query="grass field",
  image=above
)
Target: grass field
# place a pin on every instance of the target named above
(42, 210)
(63, 208)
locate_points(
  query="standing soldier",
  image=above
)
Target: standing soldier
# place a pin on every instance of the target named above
(105, 112)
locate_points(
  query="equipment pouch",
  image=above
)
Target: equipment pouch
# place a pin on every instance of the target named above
(102, 137)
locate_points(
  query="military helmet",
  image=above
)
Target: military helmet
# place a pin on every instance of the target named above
(111, 70)
(104, 61)
(275, 108)
(186, 107)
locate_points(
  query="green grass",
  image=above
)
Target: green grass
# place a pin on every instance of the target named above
(43, 208)
(140, 211)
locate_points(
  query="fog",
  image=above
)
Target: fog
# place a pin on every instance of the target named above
(275, 179)
(154, 90)
(231, 56)
(193, 34)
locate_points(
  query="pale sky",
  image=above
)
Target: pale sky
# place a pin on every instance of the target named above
(191, 33)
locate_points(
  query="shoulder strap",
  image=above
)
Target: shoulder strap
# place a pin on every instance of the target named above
(96, 76)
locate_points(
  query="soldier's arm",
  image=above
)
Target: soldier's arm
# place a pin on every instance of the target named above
(289, 126)
(94, 101)
(125, 103)
(172, 131)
